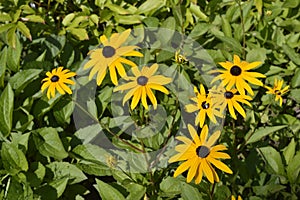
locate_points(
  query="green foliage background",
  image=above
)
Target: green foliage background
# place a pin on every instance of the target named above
(41, 157)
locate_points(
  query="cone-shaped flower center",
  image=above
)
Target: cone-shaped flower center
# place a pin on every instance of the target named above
(235, 70)
(142, 80)
(202, 151)
(54, 78)
(228, 95)
(205, 105)
(108, 51)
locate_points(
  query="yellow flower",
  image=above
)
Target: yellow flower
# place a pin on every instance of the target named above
(199, 155)
(222, 98)
(233, 198)
(277, 90)
(56, 80)
(110, 57)
(180, 59)
(141, 86)
(203, 104)
(236, 74)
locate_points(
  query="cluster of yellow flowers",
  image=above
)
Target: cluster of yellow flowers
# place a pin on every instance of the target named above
(199, 154)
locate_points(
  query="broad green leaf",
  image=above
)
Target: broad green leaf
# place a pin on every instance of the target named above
(295, 82)
(289, 151)
(93, 168)
(108, 192)
(257, 54)
(6, 110)
(170, 186)
(12, 38)
(35, 18)
(63, 110)
(6, 27)
(48, 143)
(129, 19)
(291, 54)
(92, 153)
(68, 18)
(149, 6)
(295, 94)
(265, 190)
(13, 159)
(291, 3)
(36, 174)
(21, 79)
(24, 30)
(59, 185)
(189, 192)
(104, 98)
(4, 17)
(79, 33)
(3, 57)
(231, 43)
(259, 5)
(272, 159)
(20, 140)
(66, 170)
(14, 54)
(293, 169)
(117, 9)
(262, 132)
(135, 190)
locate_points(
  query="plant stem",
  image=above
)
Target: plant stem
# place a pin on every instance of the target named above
(243, 28)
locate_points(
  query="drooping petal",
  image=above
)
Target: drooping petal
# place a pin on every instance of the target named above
(159, 79)
(207, 170)
(151, 97)
(213, 138)
(218, 164)
(158, 87)
(136, 98)
(144, 100)
(182, 168)
(193, 169)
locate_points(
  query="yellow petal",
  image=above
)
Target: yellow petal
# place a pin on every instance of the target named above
(158, 87)
(191, 108)
(144, 100)
(126, 86)
(128, 62)
(193, 169)
(136, 98)
(133, 53)
(151, 97)
(194, 135)
(231, 110)
(204, 133)
(120, 69)
(199, 174)
(207, 171)
(65, 88)
(213, 138)
(113, 74)
(129, 94)
(239, 108)
(182, 168)
(252, 65)
(159, 79)
(218, 164)
(45, 85)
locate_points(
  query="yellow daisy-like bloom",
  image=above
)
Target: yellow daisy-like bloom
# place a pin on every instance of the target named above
(199, 155)
(110, 56)
(222, 98)
(236, 74)
(56, 81)
(277, 90)
(203, 104)
(233, 197)
(141, 86)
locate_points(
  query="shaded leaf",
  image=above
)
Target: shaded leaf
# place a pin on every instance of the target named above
(6, 110)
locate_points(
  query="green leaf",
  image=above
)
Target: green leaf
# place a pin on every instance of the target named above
(48, 143)
(6, 110)
(291, 3)
(195, 9)
(93, 168)
(105, 98)
(189, 192)
(21, 79)
(232, 43)
(295, 82)
(129, 19)
(170, 186)
(59, 185)
(35, 18)
(4, 17)
(259, 5)
(79, 33)
(262, 132)
(295, 94)
(63, 110)
(91, 152)
(226, 27)
(273, 159)
(150, 5)
(66, 170)
(18, 191)
(135, 190)
(6, 27)
(3, 58)
(24, 30)
(291, 54)
(13, 159)
(11, 37)
(20, 140)
(68, 18)
(293, 169)
(14, 54)
(108, 192)
(289, 151)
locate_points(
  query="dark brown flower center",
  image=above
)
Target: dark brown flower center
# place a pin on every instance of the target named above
(277, 92)
(108, 51)
(142, 80)
(235, 70)
(205, 105)
(228, 95)
(54, 78)
(202, 151)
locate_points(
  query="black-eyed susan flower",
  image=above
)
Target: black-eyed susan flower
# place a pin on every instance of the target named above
(200, 156)
(278, 90)
(202, 104)
(233, 197)
(221, 98)
(237, 74)
(57, 80)
(141, 84)
(111, 56)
